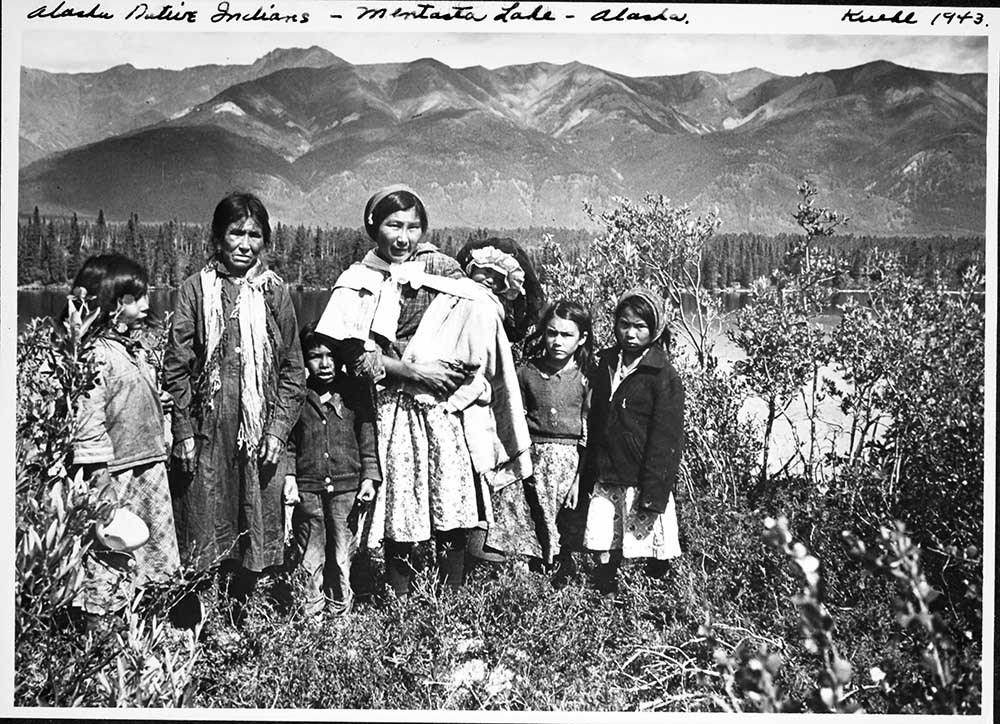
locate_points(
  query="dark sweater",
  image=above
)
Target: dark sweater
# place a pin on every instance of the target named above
(333, 443)
(555, 403)
(637, 434)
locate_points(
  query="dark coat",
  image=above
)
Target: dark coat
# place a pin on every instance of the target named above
(333, 444)
(637, 435)
(231, 507)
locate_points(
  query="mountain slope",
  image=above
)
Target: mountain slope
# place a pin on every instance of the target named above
(898, 149)
(64, 110)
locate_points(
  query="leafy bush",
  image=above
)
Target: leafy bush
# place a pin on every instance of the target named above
(887, 618)
(61, 657)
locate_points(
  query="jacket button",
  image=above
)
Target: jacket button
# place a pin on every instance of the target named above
(324, 422)
(327, 480)
(326, 455)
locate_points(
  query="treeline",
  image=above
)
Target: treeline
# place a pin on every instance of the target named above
(51, 250)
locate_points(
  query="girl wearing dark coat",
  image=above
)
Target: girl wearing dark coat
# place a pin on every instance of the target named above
(636, 436)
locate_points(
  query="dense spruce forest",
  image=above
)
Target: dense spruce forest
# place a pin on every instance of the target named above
(51, 249)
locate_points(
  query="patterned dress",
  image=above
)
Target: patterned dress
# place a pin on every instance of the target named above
(530, 519)
(121, 425)
(428, 483)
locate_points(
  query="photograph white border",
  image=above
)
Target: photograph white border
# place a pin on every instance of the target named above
(740, 19)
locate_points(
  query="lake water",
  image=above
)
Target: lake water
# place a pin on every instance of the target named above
(309, 304)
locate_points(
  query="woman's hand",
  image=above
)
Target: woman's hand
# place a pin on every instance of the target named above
(270, 451)
(437, 376)
(166, 402)
(291, 491)
(184, 452)
(573, 494)
(366, 493)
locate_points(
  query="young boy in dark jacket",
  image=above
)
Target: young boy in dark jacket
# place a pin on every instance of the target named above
(333, 455)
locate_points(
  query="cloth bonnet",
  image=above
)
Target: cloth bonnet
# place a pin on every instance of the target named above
(489, 257)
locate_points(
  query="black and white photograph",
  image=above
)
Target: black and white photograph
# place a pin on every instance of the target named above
(456, 361)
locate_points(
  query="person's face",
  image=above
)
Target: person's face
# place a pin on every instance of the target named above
(562, 339)
(241, 246)
(489, 278)
(632, 333)
(321, 363)
(132, 311)
(398, 235)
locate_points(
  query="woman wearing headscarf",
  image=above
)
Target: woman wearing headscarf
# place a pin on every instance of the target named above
(375, 308)
(234, 368)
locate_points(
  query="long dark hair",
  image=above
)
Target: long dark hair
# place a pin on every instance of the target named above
(238, 206)
(521, 311)
(107, 278)
(401, 200)
(574, 312)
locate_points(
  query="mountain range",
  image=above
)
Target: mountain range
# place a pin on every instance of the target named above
(899, 150)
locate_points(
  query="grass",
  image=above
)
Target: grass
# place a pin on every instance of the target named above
(507, 640)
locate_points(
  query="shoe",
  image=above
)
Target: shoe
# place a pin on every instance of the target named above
(337, 609)
(476, 546)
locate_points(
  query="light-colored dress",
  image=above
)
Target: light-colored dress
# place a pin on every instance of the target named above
(444, 457)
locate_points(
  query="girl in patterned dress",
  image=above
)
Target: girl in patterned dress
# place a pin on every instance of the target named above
(554, 389)
(636, 436)
(120, 438)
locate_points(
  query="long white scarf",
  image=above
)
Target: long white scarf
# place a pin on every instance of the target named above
(250, 311)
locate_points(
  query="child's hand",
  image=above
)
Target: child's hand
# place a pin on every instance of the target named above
(363, 358)
(167, 402)
(366, 493)
(572, 494)
(291, 490)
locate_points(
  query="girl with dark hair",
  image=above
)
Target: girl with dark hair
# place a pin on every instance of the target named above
(636, 436)
(553, 384)
(233, 365)
(119, 436)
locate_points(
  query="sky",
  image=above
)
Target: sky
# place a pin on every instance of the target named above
(635, 55)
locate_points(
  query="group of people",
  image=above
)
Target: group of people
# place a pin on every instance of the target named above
(397, 417)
